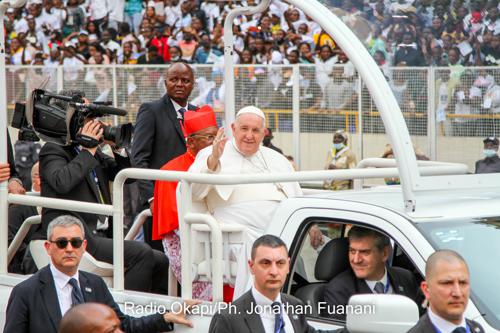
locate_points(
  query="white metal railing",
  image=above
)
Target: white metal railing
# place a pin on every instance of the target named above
(21, 235)
(427, 168)
(138, 223)
(185, 205)
(185, 225)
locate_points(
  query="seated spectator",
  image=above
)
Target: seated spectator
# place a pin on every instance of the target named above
(44, 298)
(161, 41)
(151, 57)
(175, 53)
(93, 29)
(408, 52)
(305, 54)
(109, 43)
(128, 56)
(97, 55)
(491, 162)
(338, 158)
(188, 43)
(205, 54)
(243, 155)
(368, 272)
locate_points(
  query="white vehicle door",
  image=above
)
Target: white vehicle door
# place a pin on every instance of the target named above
(334, 223)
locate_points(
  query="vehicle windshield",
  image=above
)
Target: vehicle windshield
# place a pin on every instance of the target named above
(477, 241)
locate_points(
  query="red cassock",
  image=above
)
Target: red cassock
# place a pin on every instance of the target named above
(165, 217)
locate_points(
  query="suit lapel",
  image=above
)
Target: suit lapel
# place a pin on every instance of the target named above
(49, 296)
(294, 319)
(87, 290)
(252, 318)
(363, 287)
(427, 325)
(172, 114)
(397, 287)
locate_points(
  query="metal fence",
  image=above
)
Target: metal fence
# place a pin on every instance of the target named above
(447, 110)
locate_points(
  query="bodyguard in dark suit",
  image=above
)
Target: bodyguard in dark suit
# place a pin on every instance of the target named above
(158, 135)
(446, 289)
(38, 303)
(270, 266)
(79, 173)
(368, 254)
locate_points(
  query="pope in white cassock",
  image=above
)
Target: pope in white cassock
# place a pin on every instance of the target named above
(248, 205)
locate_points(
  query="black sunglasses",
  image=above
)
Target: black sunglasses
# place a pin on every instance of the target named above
(61, 243)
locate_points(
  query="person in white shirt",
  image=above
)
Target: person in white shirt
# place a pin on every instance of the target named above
(446, 289)
(99, 10)
(262, 309)
(42, 300)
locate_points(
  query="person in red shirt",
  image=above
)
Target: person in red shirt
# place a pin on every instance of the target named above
(200, 129)
(161, 42)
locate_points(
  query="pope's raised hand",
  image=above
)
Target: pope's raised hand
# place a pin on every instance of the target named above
(217, 149)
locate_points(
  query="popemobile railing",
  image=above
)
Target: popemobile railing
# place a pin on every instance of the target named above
(190, 219)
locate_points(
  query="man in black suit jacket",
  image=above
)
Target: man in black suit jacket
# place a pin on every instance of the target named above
(368, 254)
(158, 135)
(38, 303)
(446, 288)
(270, 266)
(79, 173)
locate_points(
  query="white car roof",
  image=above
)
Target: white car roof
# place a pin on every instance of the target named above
(431, 205)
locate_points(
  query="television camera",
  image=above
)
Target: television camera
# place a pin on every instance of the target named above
(58, 118)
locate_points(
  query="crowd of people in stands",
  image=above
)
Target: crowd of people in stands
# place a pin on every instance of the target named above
(404, 32)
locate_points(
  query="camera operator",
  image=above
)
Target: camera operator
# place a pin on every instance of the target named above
(83, 173)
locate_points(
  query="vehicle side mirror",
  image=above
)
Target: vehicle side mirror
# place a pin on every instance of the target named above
(375, 313)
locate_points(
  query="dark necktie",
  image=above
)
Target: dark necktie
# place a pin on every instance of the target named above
(181, 112)
(379, 288)
(76, 293)
(279, 323)
(459, 330)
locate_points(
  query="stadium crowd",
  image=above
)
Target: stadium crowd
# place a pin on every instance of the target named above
(404, 32)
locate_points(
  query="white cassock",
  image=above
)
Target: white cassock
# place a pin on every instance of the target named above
(248, 205)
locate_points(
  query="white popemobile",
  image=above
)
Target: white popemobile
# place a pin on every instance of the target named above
(437, 206)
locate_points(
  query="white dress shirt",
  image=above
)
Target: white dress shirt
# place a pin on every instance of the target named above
(63, 288)
(385, 281)
(267, 315)
(177, 107)
(443, 325)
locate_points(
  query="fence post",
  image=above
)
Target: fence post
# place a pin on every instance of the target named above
(60, 77)
(431, 114)
(296, 114)
(115, 93)
(360, 117)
